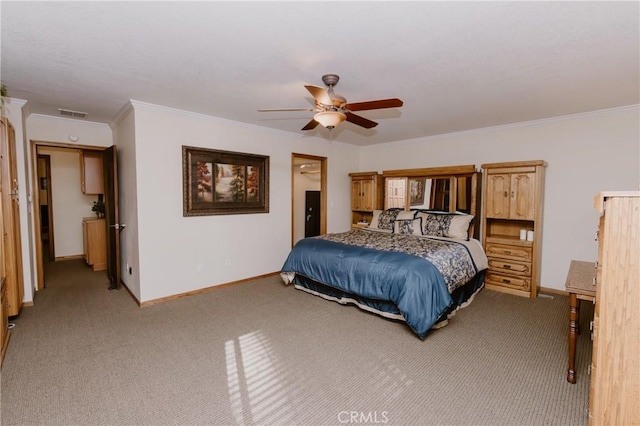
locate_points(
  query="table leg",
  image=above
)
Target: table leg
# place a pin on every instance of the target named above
(574, 315)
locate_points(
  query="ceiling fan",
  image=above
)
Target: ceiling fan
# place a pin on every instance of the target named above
(332, 109)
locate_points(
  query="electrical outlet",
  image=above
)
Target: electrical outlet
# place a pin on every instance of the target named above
(227, 263)
(200, 267)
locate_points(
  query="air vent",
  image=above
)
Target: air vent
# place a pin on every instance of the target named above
(71, 113)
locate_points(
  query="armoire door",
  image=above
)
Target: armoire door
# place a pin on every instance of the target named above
(11, 219)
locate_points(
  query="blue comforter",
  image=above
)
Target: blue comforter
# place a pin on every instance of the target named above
(414, 284)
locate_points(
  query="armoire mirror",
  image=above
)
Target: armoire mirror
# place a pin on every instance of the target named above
(452, 188)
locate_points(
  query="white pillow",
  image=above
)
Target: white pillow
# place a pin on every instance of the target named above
(404, 215)
(459, 227)
(374, 220)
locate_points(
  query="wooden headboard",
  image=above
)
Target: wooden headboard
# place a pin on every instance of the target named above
(450, 188)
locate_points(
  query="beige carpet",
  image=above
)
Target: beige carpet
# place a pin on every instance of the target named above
(265, 353)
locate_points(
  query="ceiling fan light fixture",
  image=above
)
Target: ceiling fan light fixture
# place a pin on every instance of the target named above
(330, 119)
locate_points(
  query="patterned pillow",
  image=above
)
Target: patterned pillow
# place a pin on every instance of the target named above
(408, 226)
(450, 225)
(386, 218)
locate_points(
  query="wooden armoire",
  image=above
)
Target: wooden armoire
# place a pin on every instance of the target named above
(512, 225)
(14, 285)
(615, 361)
(366, 196)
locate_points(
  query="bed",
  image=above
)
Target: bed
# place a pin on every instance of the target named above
(416, 266)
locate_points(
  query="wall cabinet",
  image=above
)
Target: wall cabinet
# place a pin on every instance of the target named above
(511, 195)
(94, 233)
(366, 196)
(513, 201)
(91, 172)
(615, 360)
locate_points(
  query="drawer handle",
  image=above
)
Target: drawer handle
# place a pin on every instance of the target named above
(507, 252)
(506, 266)
(504, 280)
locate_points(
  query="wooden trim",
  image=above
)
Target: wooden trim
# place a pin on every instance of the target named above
(200, 291)
(73, 257)
(323, 191)
(133, 296)
(508, 290)
(362, 174)
(66, 146)
(598, 201)
(431, 171)
(514, 164)
(35, 190)
(554, 291)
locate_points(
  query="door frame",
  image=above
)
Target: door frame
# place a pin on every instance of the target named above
(323, 191)
(35, 190)
(47, 166)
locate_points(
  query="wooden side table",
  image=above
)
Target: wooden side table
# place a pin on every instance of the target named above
(581, 285)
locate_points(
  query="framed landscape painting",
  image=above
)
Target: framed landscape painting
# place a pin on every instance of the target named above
(223, 182)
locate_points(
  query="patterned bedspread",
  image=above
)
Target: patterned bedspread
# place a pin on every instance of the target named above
(452, 258)
(417, 274)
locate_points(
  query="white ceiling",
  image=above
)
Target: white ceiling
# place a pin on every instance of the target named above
(456, 65)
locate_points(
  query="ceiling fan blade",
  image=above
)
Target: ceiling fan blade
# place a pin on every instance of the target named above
(311, 125)
(320, 94)
(285, 109)
(378, 104)
(360, 121)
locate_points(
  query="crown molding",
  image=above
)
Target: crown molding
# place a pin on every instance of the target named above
(68, 120)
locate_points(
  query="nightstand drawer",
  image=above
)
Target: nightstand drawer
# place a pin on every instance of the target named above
(509, 252)
(510, 267)
(519, 283)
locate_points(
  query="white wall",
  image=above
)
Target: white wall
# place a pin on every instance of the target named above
(586, 153)
(171, 254)
(179, 254)
(124, 139)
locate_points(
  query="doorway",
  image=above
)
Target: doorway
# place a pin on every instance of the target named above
(308, 174)
(61, 180)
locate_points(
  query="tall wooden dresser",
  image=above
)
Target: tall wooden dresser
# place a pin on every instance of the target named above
(615, 361)
(14, 280)
(513, 199)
